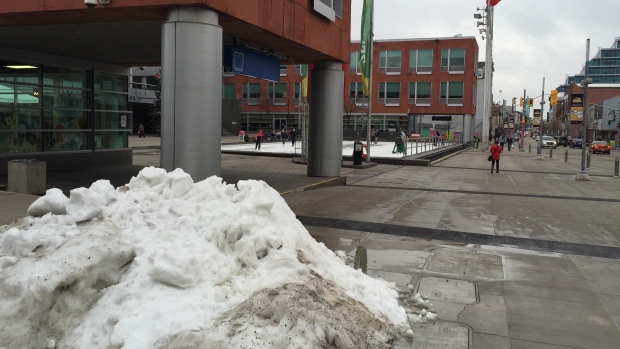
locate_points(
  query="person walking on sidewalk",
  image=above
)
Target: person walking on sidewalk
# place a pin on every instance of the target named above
(259, 139)
(509, 143)
(141, 131)
(496, 150)
(502, 141)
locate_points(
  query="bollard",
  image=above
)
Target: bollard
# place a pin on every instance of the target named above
(566, 155)
(550, 152)
(530, 150)
(617, 167)
(588, 161)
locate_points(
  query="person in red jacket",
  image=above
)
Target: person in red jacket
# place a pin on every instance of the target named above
(496, 149)
(259, 139)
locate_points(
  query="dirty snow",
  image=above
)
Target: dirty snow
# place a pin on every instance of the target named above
(164, 262)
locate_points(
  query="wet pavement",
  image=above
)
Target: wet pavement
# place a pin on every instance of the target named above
(526, 258)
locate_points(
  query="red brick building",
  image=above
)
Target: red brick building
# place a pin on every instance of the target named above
(416, 84)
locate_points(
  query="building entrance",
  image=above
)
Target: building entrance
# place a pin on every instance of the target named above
(279, 124)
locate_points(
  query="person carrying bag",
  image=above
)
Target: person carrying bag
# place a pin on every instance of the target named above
(496, 150)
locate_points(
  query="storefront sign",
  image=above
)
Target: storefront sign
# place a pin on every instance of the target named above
(536, 121)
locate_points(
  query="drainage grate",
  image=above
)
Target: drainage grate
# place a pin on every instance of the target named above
(467, 263)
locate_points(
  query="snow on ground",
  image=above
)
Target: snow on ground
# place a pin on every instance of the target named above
(383, 149)
(164, 262)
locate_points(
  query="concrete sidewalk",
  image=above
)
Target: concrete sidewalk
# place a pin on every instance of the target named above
(526, 258)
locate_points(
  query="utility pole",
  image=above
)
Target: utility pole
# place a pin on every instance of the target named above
(583, 174)
(522, 138)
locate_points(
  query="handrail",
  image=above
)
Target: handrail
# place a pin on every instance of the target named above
(419, 145)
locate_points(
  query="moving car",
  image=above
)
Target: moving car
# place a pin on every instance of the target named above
(548, 141)
(576, 143)
(600, 147)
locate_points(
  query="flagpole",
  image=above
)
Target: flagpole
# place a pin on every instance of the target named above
(369, 112)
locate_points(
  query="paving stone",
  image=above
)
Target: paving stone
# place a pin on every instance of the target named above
(448, 290)
(467, 263)
(436, 335)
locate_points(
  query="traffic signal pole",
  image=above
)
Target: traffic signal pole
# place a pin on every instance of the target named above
(488, 81)
(522, 138)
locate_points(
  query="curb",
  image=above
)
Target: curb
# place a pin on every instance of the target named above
(332, 182)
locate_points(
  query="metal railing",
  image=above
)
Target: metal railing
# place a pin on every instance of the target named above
(420, 145)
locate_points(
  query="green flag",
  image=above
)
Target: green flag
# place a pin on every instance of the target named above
(304, 80)
(365, 45)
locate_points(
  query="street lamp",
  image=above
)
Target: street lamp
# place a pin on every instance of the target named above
(488, 70)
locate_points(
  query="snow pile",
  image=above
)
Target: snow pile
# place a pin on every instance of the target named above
(164, 262)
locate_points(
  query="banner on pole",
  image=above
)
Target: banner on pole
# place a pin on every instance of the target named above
(365, 45)
(576, 109)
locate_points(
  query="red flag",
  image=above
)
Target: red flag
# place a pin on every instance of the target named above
(493, 2)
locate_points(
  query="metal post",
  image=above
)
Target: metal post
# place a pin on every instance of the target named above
(583, 174)
(566, 155)
(530, 148)
(588, 161)
(539, 155)
(550, 152)
(522, 138)
(617, 167)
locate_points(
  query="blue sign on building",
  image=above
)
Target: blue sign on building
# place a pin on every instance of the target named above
(244, 61)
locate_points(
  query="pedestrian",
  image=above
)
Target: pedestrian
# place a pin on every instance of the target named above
(372, 135)
(259, 139)
(283, 136)
(476, 140)
(293, 134)
(377, 136)
(141, 131)
(496, 150)
(490, 138)
(502, 141)
(509, 143)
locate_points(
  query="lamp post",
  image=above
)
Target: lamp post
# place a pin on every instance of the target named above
(488, 74)
(583, 174)
(539, 155)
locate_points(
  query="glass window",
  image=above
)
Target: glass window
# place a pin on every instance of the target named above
(354, 62)
(228, 91)
(421, 61)
(420, 93)
(298, 91)
(65, 77)
(389, 62)
(251, 93)
(389, 93)
(451, 93)
(453, 60)
(297, 69)
(277, 93)
(109, 82)
(283, 69)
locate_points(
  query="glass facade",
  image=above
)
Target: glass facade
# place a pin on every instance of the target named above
(421, 61)
(389, 62)
(453, 59)
(44, 108)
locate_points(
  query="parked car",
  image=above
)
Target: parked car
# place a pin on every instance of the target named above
(562, 140)
(548, 141)
(537, 138)
(576, 143)
(600, 147)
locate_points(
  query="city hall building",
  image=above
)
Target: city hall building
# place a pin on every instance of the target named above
(65, 68)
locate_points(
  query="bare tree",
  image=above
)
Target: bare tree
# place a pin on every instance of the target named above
(350, 107)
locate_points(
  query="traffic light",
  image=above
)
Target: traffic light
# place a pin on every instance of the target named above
(531, 102)
(514, 100)
(521, 102)
(553, 98)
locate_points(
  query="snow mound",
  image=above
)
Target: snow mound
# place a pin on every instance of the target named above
(164, 262)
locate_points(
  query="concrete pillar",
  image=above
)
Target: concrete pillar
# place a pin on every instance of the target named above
(191, 68)
(325, 121)
(468, 128)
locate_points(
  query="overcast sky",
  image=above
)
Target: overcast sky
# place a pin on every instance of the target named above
(533, 38)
